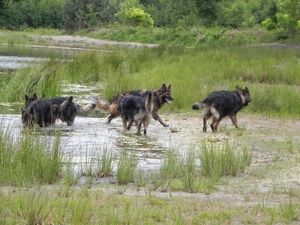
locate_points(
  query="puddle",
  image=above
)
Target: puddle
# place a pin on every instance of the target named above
(90, 136)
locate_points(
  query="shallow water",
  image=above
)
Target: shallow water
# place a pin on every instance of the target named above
(89, 136)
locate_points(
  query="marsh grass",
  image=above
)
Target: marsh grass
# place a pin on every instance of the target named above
(30, 208)
(126, 168)
(190, 173)
(44, 79)
(270, 74)
(227, 160)
(34, 206)
(29, 159)
(200, 170)
(98, 165)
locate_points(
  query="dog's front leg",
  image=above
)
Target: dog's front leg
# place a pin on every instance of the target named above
(156, 117)
(234, 120)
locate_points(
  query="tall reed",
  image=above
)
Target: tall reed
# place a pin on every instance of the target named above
(226, 160)
(126, 167)
(29, 159)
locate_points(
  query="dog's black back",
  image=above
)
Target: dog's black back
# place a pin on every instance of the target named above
(220, 104)
(130, 105)
(136, 109)
(225, 102)
(141, 93)
(68, 115)
(40, 111)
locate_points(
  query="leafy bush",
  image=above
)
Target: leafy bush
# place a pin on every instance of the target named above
(269, 24)
(138, 17)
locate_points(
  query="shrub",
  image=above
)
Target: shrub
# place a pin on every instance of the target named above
(138, 17)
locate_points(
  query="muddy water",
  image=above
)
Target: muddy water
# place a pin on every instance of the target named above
(89, 136)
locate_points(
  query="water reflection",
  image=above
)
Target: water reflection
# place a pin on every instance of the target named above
(12, 57)
(16, 62)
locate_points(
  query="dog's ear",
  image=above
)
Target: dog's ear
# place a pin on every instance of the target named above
(34, 97)
(26, 97)
(246, 89)
(163, 88)
(169, 87)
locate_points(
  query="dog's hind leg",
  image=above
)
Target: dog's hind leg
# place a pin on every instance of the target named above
(124, 120)
(130, 125)
(216, 118)
(145, 123)
(204, 124)
(234, 120)
(215, 123)
(214, 126)
(139, 129)
(205, 118)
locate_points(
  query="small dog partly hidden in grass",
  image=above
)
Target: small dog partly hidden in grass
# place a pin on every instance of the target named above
(136, 109)
(43, 112)
(160, 97)
(70, 113)
(220, 104)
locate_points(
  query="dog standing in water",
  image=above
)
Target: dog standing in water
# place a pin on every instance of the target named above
(43, 112)
(67, 115)
(136, 109)
(160, 97)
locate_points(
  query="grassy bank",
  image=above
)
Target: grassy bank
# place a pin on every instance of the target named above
(223, 190)
(88, 206)
(271, 74)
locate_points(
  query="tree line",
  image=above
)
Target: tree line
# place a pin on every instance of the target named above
(73, 15)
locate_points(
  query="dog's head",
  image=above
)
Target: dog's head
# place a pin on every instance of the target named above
(245, 95)
(28, 116)
(28, 99)
(165, 94)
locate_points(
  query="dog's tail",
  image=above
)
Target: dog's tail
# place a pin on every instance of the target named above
(83, 110)
(102, 106)
(66, 104)
(149, 102)
(199, 105)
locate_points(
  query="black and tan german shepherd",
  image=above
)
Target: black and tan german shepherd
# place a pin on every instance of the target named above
(67, 115)
(136, 109)
(160, 97)
(43, 112)
(220, 104)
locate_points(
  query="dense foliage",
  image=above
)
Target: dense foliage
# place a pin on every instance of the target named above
(282, 16)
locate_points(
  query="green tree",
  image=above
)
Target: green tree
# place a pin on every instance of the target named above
(182, 9)
(81, 14)
(289, 15)
(232, 14)
(208, 11)
(31, 13)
